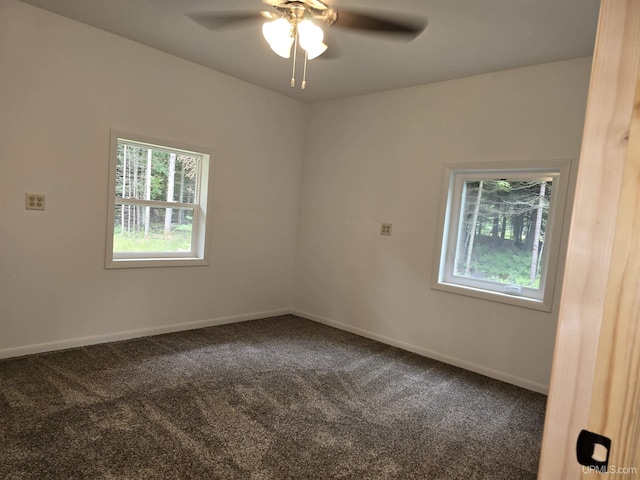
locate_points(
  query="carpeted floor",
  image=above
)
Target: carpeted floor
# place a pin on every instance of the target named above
(279, 398)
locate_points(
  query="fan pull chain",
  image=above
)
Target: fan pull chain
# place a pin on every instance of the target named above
(295, 49)
(304, 74)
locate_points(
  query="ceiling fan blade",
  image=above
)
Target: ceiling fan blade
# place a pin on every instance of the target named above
(215, 21)
(407, 26)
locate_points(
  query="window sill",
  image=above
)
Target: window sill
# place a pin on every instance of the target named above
(514, 300)
(155, 262)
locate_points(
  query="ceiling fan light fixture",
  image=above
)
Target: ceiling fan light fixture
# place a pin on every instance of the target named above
(292, 25)
(278, 36)
(311, 39)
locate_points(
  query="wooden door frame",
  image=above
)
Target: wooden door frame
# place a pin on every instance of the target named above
(587, 318)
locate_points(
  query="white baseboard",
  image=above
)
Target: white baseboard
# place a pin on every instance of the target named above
(488, 372)
(126, 335)
(146, 332)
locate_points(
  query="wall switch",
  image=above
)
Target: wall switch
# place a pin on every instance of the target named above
(34, 201)
(385, 229)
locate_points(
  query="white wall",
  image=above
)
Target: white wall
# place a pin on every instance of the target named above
(379, 158)
(63, 86)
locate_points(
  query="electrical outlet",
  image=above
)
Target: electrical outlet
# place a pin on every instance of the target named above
(385, 229)
(34, 201)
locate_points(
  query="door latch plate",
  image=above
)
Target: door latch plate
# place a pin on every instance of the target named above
(593, 450)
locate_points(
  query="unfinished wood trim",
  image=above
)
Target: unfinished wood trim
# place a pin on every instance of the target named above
(591, 238)
(615, 399)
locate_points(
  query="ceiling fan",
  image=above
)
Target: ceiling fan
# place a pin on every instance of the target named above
(294, 23)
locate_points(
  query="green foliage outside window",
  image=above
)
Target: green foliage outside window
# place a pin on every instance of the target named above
(502, 231)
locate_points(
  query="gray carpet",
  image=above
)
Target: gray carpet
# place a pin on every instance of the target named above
(279, 398)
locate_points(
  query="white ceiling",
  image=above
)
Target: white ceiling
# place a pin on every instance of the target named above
(464, 37)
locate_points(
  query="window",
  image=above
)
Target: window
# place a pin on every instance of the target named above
(500, 231)
(158, 195)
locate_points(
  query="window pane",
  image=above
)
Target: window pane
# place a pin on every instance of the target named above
(142, 229)
(502, 231)
(146, 173)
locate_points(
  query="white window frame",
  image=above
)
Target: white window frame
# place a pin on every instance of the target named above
(200, 235)
(454, 178)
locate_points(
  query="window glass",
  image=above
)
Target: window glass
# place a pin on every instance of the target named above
(143, 229)
(150, 173)
(502, 230)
